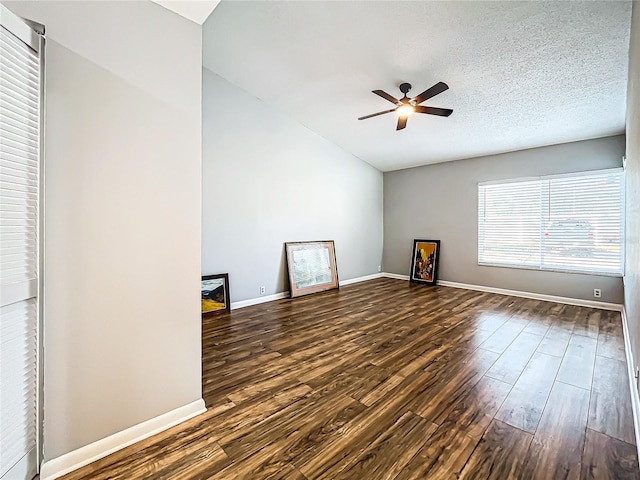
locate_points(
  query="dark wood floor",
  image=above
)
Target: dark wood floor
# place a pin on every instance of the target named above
(388, 380)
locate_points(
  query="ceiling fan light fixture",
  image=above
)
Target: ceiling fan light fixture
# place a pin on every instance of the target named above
(405, 110)
(406, 106)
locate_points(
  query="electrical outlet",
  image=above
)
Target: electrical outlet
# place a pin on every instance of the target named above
(262, 290)
(597, 293)
(379, 268)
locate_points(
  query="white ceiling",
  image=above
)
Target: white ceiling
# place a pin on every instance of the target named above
(194, 10)
(521, 74)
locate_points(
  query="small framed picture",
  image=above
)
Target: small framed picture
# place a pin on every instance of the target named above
(424, 261)
(215, 294)
(312, 267)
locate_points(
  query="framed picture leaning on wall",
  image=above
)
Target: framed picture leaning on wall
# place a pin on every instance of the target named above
(215, 294)
(312, 267)
(424, 261)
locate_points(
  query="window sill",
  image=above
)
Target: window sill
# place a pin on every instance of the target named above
(555, 270)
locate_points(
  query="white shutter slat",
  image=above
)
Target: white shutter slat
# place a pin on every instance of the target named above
(18, 351)
(17, 107)
(15, 56)
(509, 224)
(20, 74)
(19, 143)
(570, 223)
(18, 91)
(19, 177)
(13, 249)
(13, 266)
(14, 169)
(6, 128)
(16, 161)
(11, 81)
(21, 79)
(11, 41)
(18, 138)
(19, 196)
(10, 263)
(18, 217)
(15, 273)
(15, 193)
(12, 238)
(8, 118)
(17, 150)
(18, 94)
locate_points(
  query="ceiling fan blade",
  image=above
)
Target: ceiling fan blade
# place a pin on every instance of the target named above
(386, 96)
(443, 112)
(376, 114)
(431, 92)
(402, 122)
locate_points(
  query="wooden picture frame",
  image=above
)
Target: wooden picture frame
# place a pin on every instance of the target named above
(312, 267)
(215, 294)
(425, 257)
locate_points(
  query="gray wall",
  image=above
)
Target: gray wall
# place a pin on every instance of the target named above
(441, 202)
(122, 181)
(268, 180)
(632, 270)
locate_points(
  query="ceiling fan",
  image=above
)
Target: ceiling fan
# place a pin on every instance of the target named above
(407, 106)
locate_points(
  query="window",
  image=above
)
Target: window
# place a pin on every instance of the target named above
(563, 223)
(20, 137)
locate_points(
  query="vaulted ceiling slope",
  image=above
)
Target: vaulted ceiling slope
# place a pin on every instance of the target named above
(521, 74)
(195, 10)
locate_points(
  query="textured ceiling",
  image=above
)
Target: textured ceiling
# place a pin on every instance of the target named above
(521, 74)
(194, 10)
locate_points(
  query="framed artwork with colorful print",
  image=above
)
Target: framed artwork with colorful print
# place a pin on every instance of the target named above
(424, 261)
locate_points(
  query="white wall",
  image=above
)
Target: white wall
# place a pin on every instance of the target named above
(122, 251)
(441, 202)
(632, 270)
(269, 180)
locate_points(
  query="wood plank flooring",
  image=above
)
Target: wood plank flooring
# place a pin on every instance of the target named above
(390, 380)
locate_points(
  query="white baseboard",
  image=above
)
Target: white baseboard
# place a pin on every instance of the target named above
(536, 296)
(259, 300)
(360, 279)
(75, 459)
(516, 293)
(396, 276)
(281, 295)
(635, 398)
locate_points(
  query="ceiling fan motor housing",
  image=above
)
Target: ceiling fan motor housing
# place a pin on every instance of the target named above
(405, 87)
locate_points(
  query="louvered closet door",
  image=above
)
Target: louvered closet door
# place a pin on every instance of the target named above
(20, 79)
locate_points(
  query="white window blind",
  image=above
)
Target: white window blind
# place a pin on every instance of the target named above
(20, 78)
(565, 223)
